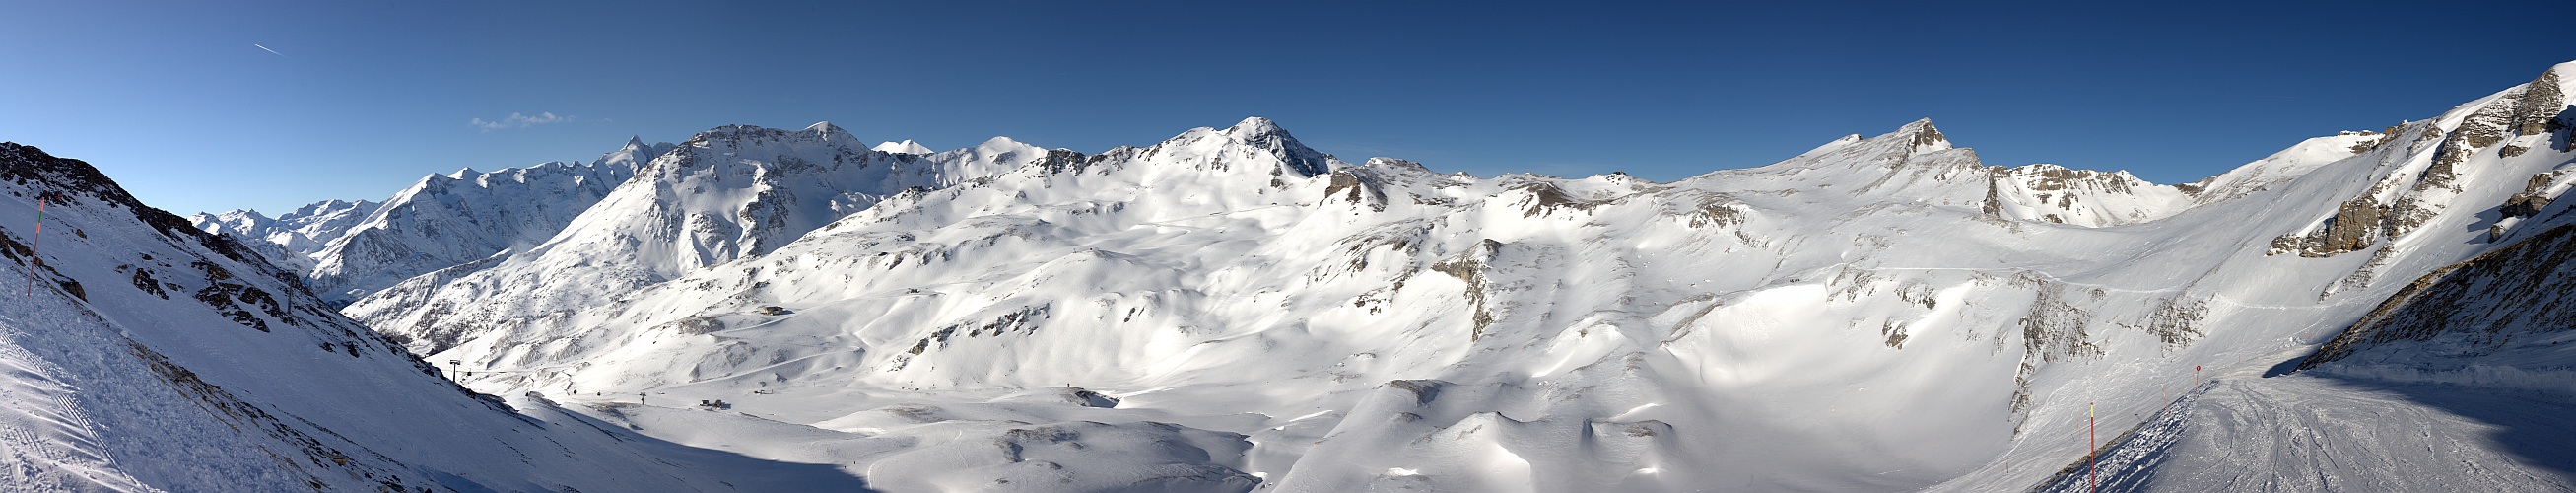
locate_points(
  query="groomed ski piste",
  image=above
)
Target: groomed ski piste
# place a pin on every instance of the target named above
(2245, 432)
(1229, 310)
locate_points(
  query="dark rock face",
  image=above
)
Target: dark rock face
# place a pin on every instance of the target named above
(1470, 267)
(2533, 198)
(2053, 330)
(2537, 110)
(1546, 198)
(1928, 136)
(1994, 204)
(1348, 186)
(2376, 138)
(1718, 211)
(2356, 225)
(2482, 304)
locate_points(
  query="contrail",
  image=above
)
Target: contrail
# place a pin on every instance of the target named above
(270, 51)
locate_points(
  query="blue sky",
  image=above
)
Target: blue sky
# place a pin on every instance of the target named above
(181, 103)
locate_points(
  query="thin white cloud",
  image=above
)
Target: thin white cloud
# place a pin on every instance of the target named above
(516, 120)
(270, 51)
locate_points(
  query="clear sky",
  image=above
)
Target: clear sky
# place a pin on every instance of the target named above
(199, 106)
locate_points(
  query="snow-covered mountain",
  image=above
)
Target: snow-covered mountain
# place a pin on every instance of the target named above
(345, 250)
(1883, 312)
(147, 355)
(446, 220)
(907, 146)
(290, 239)
(725, 194)
(1229, 309)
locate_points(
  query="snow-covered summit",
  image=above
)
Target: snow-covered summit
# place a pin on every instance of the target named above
(726, 193)
(445, 220)
(347, 249)
(907, 146)
(292, 239)
(1263, 134)
(633, 155)
(1917, 164)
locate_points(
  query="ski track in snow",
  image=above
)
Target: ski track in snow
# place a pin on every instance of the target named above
(2306, 433)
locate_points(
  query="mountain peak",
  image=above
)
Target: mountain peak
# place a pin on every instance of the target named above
(823, 132)
(1923, 136)
(828, 132)
(907, 146)
(1264, 134)
(1255, 127)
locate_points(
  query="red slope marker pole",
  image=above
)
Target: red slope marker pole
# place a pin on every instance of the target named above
(32, 259)
(2092, 457)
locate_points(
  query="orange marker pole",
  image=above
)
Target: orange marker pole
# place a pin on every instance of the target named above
(2092, 461)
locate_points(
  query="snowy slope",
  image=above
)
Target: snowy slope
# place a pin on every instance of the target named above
(2458, 382)
(1880, 313)
(727, 193)
(346, 250)
(151, 356)
(2450, 380)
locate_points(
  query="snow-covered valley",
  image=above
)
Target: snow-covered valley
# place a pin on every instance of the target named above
(1230, 310)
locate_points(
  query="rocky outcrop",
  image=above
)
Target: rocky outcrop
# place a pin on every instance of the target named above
(2534, 197)
(2356, 225)
(2055, 194)
(1546, 198)
(1470, 267)
(2478, 305)
(1349, 186)
(2397, 205)
(2531, 109)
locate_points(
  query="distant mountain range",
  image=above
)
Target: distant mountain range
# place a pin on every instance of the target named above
(1230, 310)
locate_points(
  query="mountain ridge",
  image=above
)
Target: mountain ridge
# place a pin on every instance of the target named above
(149, 355)
(1881, 312)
